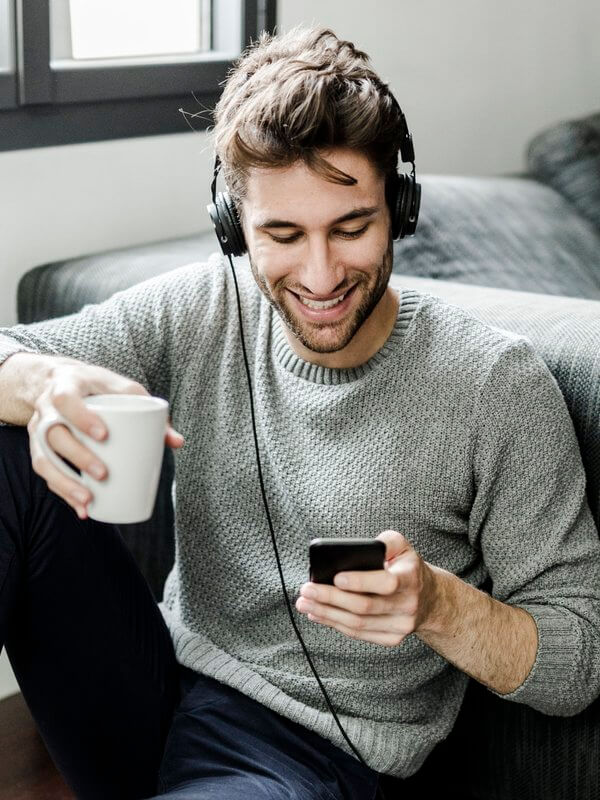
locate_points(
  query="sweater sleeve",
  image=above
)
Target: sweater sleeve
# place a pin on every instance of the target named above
(531, 520)
(145, 333)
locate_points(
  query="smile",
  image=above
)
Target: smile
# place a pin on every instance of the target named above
(322, 303)
(324, 310)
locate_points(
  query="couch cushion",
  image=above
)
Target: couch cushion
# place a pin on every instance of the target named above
(64, 287)
(567, 157)
(513, 233)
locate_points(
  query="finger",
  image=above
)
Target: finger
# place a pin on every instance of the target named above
(65, 444)
(70, 491)
(386, 638)
(99, 380)
(173, 438)
(334, 614)
(395, 543)
(67, 399)
(356, 603)
(75, 494)
(379, 581)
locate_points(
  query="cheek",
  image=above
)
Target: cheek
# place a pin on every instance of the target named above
(271, 262)
(367, 251)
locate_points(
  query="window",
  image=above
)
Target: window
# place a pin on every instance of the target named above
(8, 83)
(86, 29)
(102, 69)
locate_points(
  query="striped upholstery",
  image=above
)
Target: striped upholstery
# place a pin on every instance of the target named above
(64, 287)
(567, 157)
(512, 233)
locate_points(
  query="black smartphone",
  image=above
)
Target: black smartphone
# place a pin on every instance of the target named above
(329, 556)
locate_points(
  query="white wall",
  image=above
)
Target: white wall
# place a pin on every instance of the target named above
(66, 201)
(476, 79)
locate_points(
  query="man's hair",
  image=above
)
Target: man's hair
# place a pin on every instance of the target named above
(289, 97)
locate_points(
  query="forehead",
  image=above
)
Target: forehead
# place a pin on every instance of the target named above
(300, 194)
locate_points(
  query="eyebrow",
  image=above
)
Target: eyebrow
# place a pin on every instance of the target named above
(356, 213)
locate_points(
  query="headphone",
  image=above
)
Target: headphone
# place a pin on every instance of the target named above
(403, 195)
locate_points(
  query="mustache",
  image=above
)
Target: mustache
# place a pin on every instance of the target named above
(344, 286)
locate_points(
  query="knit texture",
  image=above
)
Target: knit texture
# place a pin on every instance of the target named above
(454, 433)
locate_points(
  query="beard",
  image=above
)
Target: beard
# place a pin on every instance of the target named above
(338, 334)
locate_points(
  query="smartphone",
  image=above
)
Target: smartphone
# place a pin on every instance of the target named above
(329, 556)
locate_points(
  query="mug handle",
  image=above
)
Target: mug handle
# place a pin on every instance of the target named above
(41, 433)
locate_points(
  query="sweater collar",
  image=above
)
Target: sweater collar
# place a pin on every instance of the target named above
(284, 354)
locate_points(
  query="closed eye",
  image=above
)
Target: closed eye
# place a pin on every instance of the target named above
(340, 233)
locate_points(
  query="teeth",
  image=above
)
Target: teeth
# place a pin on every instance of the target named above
(322, 303)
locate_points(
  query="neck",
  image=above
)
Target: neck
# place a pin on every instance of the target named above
(369, 338)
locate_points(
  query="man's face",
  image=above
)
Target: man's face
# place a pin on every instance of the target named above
(313, 240)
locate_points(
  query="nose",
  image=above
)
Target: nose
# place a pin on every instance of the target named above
(321, 274)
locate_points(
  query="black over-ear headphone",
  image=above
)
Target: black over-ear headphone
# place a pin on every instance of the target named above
(403, 195)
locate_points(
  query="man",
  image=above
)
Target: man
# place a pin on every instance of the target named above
(379, 413)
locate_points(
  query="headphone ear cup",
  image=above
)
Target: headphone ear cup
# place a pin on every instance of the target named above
(400, 203)
(228, 228)
(407, 203)
(413, 213)
(238, 241)
(394, 198)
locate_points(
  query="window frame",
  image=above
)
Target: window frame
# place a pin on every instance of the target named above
(64, 102)
(8, 77)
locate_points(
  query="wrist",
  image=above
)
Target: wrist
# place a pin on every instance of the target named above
(37, 371)
(441, 606)
(23, 378)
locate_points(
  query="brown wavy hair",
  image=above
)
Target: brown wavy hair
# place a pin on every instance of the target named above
(291, 96)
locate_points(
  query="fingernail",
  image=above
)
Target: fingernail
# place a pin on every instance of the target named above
(97, 432)
(80, 496)
(97, 471)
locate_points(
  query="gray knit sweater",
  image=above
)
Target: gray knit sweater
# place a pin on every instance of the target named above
(454, 433)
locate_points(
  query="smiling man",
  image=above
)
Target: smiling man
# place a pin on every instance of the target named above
(324, 268)
(380, 412)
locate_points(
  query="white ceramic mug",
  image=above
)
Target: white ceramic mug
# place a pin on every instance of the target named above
(131, 452)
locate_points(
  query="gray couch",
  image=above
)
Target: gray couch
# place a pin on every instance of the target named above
(523, 254)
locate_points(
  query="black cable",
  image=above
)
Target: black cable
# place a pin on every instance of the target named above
(281, 578)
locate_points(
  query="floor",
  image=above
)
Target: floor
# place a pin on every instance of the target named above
(26, 770)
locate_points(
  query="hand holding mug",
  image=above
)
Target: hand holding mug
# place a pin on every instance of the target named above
(71, 421)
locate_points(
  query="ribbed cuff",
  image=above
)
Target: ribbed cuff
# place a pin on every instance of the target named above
(553, 685)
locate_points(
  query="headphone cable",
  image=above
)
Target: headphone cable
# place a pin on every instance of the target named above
(273, 540)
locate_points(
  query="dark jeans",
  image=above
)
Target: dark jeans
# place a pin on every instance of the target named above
(85, 638)
(95, 662)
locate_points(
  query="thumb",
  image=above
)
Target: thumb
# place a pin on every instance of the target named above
(395, 544)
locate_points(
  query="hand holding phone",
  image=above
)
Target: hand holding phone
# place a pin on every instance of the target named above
(329, 556)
